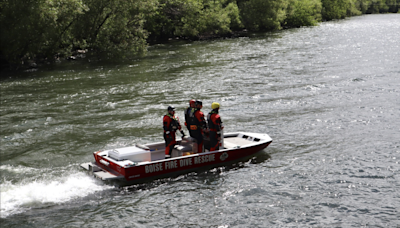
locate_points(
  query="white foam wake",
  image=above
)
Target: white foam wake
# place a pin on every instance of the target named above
(19, 197)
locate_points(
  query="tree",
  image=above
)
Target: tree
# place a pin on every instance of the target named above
(218, 17)
(41, 29)
(193, 18)
(303, 13)
(115, 27)
(36, 28)
(263, 15)
(394, 5)
(362, 5)
(334, 9)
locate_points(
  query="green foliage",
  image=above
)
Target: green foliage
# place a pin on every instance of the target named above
(233, 12)
(335, 9)
(353, 9)
(372, 6)
(43, 29)
(263, 15)
(218, 17)
(303, 13)
(114, 27)
(193, 18)
(378, 6)
(394, 6)
(362, 5)
(191, 22)
(37, 27)
(383, 6)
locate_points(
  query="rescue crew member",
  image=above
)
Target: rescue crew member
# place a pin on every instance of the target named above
(171, 125)
(215, 126)
(188, 111)
(198, 126)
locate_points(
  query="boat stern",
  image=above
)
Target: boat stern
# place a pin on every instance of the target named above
(99, 173)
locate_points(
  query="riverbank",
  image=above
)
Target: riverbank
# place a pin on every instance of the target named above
(32, 65)
(42, 32)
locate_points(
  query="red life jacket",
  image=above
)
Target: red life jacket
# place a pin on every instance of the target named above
(171, 123)
(197, 121)
(214, 121)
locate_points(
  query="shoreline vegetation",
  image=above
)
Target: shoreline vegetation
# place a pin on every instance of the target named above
(35, 32)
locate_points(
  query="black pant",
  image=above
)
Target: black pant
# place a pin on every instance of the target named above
(214, 142)
(170, 142)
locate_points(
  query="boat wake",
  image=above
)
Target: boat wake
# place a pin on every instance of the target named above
(35, 191)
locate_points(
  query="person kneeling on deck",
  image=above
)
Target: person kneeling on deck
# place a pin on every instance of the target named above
(198, 126)
(215, 126)
(171, 125)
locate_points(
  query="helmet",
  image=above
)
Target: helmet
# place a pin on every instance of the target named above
(214, 105)
(199, 103)
(192, 102)
(171, 108)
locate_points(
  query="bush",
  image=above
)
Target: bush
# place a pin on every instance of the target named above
(41, 29)
(115, 27)
(193, 18)
(36, 28)
(303, 13)
(334, 9)
(263, 15)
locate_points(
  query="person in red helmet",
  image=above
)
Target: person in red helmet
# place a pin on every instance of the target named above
(171, 125)
(215, 126)
(198, 126)
(188, 112)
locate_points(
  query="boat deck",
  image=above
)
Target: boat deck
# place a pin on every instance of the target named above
(234, 142)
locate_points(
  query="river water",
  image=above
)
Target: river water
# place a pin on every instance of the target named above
(329, 96)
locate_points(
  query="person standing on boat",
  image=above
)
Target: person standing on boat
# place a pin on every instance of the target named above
(171, 125)
(215, 126)
(198, 126)
(189, 111)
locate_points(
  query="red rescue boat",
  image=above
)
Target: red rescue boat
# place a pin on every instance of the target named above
(141, 163)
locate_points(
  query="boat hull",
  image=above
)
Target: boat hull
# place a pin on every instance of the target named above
(107, 169)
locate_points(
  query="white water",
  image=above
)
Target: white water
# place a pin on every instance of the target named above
(46, 187)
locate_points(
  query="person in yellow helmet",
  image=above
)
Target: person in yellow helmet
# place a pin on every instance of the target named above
(215, 126)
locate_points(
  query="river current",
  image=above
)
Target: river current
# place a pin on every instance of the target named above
(329, 97)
